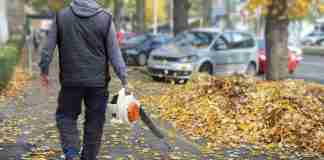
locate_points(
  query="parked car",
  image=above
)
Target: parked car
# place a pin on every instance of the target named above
(314, 38)
(205, 50)
(294, 57)
(123, 36)
(137, 49)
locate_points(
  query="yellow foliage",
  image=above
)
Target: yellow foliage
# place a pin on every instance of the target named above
(161, 11)
(239, 110)
(296, 8)
(321, 8)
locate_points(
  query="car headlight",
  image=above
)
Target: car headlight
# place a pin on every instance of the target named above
(188, 59)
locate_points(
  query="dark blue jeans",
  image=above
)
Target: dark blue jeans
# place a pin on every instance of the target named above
(69, 108)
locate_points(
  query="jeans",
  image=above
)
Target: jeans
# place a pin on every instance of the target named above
(69, 108)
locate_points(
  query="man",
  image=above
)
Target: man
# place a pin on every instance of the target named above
(87, 43)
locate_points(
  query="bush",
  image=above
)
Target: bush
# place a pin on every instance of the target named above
(9, 57)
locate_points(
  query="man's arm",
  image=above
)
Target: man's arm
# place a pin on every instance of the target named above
(115, 56)
(48, 50)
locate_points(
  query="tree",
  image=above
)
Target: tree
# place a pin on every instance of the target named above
(206, 11)
(227, 17)
(180, 17)
(4, 32)
(118, 13)
(278, 14)
(140, 16)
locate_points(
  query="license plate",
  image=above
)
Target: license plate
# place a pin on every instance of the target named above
(162, 63)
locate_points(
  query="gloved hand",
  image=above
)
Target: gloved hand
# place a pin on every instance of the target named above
(127, 90)
(44, 81)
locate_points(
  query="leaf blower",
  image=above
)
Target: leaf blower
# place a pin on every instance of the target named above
(127, 109)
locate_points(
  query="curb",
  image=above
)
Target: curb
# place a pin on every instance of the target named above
(314, 51)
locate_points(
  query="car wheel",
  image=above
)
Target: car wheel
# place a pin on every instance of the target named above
(251, 70)
(321, 43)
(141, 59)
(181, 81)
(155, 78)
(206, 68)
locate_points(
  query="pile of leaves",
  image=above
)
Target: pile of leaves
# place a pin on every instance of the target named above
(17, 83)
(235, 110)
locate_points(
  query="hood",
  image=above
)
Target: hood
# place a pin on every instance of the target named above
(128, 45)
(172, 50)
(85, 8)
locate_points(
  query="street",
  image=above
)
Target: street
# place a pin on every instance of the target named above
(311, 69)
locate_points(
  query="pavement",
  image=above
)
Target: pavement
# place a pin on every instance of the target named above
(27, 124)
(311, 69)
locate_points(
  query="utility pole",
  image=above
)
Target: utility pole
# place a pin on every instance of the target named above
(4, 31)
(155, 12)
(228, 11)
(171, 15)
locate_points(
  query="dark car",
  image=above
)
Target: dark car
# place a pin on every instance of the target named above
(123, 36)
(138, 48)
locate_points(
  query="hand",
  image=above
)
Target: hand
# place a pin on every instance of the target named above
(44, 81)
(127, 89)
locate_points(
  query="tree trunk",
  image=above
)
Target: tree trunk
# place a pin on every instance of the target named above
(180, 17)
(276, 34)
(118, 13)
(140, 16)
(227, 17)
(16, 16)
(4, 32)
(207, 7)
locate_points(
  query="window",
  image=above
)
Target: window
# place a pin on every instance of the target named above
(138, 39)
(220, 44)
(228, 37)
(195, 39)
(241, 40)
(161, 39)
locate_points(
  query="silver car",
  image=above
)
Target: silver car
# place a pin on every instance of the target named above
(314, 38)
(205, 50)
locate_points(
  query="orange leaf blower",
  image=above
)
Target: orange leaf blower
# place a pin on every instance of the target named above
(127, 109)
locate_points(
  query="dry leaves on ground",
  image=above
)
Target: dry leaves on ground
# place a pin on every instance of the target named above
(17, 83)
(238, 109)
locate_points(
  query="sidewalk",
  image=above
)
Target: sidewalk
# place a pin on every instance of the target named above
(27, 124)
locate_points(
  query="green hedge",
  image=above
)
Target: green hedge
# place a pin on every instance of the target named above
(9, 58)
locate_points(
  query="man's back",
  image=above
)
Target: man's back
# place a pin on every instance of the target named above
(81, 40)
(87, 43)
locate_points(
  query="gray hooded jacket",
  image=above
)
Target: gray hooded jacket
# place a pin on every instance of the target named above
(87, 44)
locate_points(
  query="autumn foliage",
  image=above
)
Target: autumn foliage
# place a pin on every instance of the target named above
(296, 8)
(239, 110)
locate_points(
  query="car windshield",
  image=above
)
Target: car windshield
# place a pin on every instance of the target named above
(162, 38)
(195, 39)
(137, 39)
